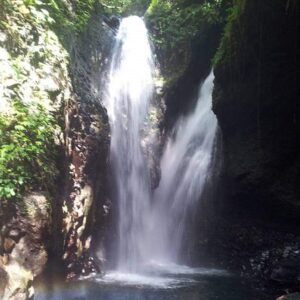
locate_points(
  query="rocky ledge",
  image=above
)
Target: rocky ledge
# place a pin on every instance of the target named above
(23, 252)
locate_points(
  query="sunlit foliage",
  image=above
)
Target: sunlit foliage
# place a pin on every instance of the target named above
(175, 23)
(26, 150)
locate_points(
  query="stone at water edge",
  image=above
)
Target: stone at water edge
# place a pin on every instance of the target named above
(294, 296)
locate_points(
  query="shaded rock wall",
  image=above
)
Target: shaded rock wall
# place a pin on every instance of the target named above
(87, 144)
(181, 96)
(256, 101)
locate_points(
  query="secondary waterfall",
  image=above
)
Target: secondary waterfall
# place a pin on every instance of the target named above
(186, 166)
(130, 91)
(151, 228)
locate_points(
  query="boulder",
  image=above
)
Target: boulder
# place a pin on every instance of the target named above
(24, 252)
(294, 296)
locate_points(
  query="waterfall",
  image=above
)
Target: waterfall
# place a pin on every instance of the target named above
(130, 91)
(151, 226)
(186, 166)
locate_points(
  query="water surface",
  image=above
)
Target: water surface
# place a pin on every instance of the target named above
(194, 284)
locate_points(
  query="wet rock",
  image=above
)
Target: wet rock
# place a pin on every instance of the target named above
(113, 22)
(88, 144)
(287, 271)
(294, 296)
(265, 256)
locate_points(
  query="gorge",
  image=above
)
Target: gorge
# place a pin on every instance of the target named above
(149, 149)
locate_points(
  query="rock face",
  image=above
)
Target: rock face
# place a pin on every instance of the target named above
(69, 83)
(23, 247)
(255, 100)
(34, 71)
(87, 144)
(180, 95)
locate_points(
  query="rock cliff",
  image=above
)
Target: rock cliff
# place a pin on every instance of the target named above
(53, 73)
(256, 99)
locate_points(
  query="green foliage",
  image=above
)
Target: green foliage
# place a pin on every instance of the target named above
(27, 150)
(34, 79)
(125, 7)
(64, 17)
(70, 18)
(116, 6)
(174, 23)
(21, 21)
(224, 51)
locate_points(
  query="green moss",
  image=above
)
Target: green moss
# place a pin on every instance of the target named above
(225, 49)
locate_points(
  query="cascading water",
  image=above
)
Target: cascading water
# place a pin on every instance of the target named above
(129, 95)
(186, 166)
(152, 229)
(152, 226)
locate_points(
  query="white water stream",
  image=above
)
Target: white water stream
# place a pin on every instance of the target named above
(151, 229)
(130, 92)
(186, 166)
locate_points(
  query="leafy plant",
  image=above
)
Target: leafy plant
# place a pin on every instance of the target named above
(224, 50)
(26, 150)
(73, 18)
(31, 58)
(174, 24)
(125, 7)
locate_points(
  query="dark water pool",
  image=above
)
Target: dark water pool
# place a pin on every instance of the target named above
(203, 286)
